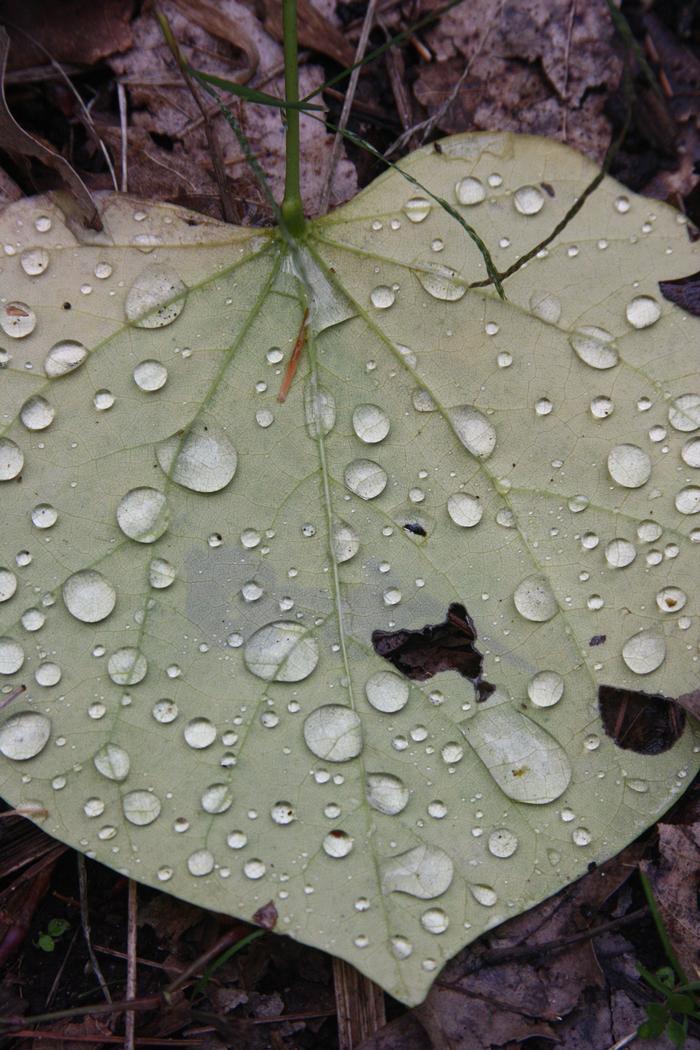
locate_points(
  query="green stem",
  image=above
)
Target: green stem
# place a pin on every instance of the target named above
(292, 210)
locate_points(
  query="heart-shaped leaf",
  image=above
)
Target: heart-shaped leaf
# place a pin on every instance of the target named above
(399, 653)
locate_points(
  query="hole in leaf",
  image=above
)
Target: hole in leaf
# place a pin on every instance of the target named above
(684, 292)
(647, 723)
(447, 646)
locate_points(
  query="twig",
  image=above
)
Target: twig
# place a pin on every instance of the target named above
(12, 696)
(59, 974)
(359, 1003)
(131, 963)
(347, 105)
(123, 128)
(96, 1040)
(85, 920)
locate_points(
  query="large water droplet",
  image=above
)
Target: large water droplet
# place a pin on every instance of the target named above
(34, 261)
(484, 895)
(345, 542)
(143, 515)
(24, 735)
(643, 311)
(594, 346)
(64, 357)
(435, 920)
(417, 209)
(204, 460)
(17, 320)
(534, 599)
(629, 466)
(36, 413)
(644, 651)
(88, 596)
(687, 501)
(464, 509)
(525, 761)
(386, 793)
(150, 376)
(156, 298)
(684, 413)
(8, 584)
(11, 459)
(387, 692)
(127, 666)
(200, 863)
(199, 733)
(382, 297)
(333, 733)
(470, 191)
(546, 688)
(424, 872)
(474, 430)
(338, 844)
(441, 282)
(217, 798)
(690, 453)
(161, 573)
(319, 408)
(11, 656)
(671, 599)
(365, 478)
(502, 843)
(370, 423)
(112, 762)
(619, 553)
(282, 651)
(528, 200)
(141, 807)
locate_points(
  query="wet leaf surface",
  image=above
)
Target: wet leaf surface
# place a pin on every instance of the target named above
(192, 572)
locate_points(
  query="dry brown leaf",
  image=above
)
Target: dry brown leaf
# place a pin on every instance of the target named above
(315, 31)
(674, 880)
(89, 1035)
(217, 23)
(76, 32)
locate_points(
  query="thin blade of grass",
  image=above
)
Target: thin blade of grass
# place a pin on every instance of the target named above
(661, 928)
(261, 98)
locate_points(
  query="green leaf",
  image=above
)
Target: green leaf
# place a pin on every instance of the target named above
(193, 571)
(676, 1032)
(651, 1029)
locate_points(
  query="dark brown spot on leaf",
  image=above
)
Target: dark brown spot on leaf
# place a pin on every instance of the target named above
(416, 528)
(447, 646)
(598, 639)
(684, 292)
(266, 916)
(647, 723)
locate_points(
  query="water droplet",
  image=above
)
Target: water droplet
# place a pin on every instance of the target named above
(103, 400)
(424, 872)
(11, 459)
(534, 599)
(319, 408)
(93, 807)
(200, 863)
(422, 401)
(629, 466)
(370, 423)
(34, 261)
(237, 840)
(24, 735)
(36, 413)
(47, 674)
(141, 807)
(401, 947)
(621, 205)
(11, 656)
(112, 762)
(143, 515)
(543, 406)
(671, 599)
(33, 619)
(199, 733)
(283, 813)
(687, 501)
(470, 191)
(644, 651)
(464, 509)
(595, 347)
(524, 760)
(640, 786)
(545, 306)
(17, 320)
(8, 584)
(217, 798)
(254, 869)
(528, 200)
(44, 516)
(338, 844)
(503, 843)
(684, 413)
(690, 453)
(161, 573)
(382, 297)
(452, 753)
(581, 837)
(643, 311)
(387, 692)
(204, 460)
(103, 270)
(392, 596)
(417, 209)
(165, 711)
(435, 920)
(156, 298)
(252, 591)
(127, 666)
(365, 478)
(150, 376)
(386, 793)
(345, 542)
(441, 282)
(334, 733)
(619, 553)
(474, 430)
(546, 688)
(88, 596)
(601, 407)
(282, 651)
(64, 357)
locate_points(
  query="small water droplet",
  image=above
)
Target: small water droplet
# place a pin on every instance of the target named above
(484, 895)
(112, 762)
(48, 674)
(441, 282)
(643, 311)
(103, 400)
(546, 307)
(601, 407)
(595, 347)
(282, 651)
(102, 270)
(345, 542)
(11, 459)
(503, 843)
(365, 478)
(36, 413)
(156, 298)
(435, 920)
(382, 297)
(161, 573)
(619, 553)
(621, 204)
(165, 711)
(474, 430)
(386, 793)
(546, 688)
(127, 666)
(338, 844)
(8, 584)
(690, 453)
(199, 733)
(687, 501)
(370, 423)
(17, 320)
(44, 516)
(11, 656)
(217, 798)
(203, 460)
(34, 261)
(470, 191)
(150, 376)
(528, 200)
(283, 813)
(141, 807)
(645, 651)
(424, 872)
(387, 692)
(684, 413)
(464, 509)
(534, 599)
(88, 596)
(200, 863)
(417, 209)
(671, 599)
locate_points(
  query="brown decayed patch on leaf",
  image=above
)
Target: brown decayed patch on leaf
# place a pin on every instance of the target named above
(647, 723)
(675, 882)
(684, 292)
(266, 916)
(449, 646)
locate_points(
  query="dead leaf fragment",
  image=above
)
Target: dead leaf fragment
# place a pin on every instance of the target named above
(315, 31)
(675, 881)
